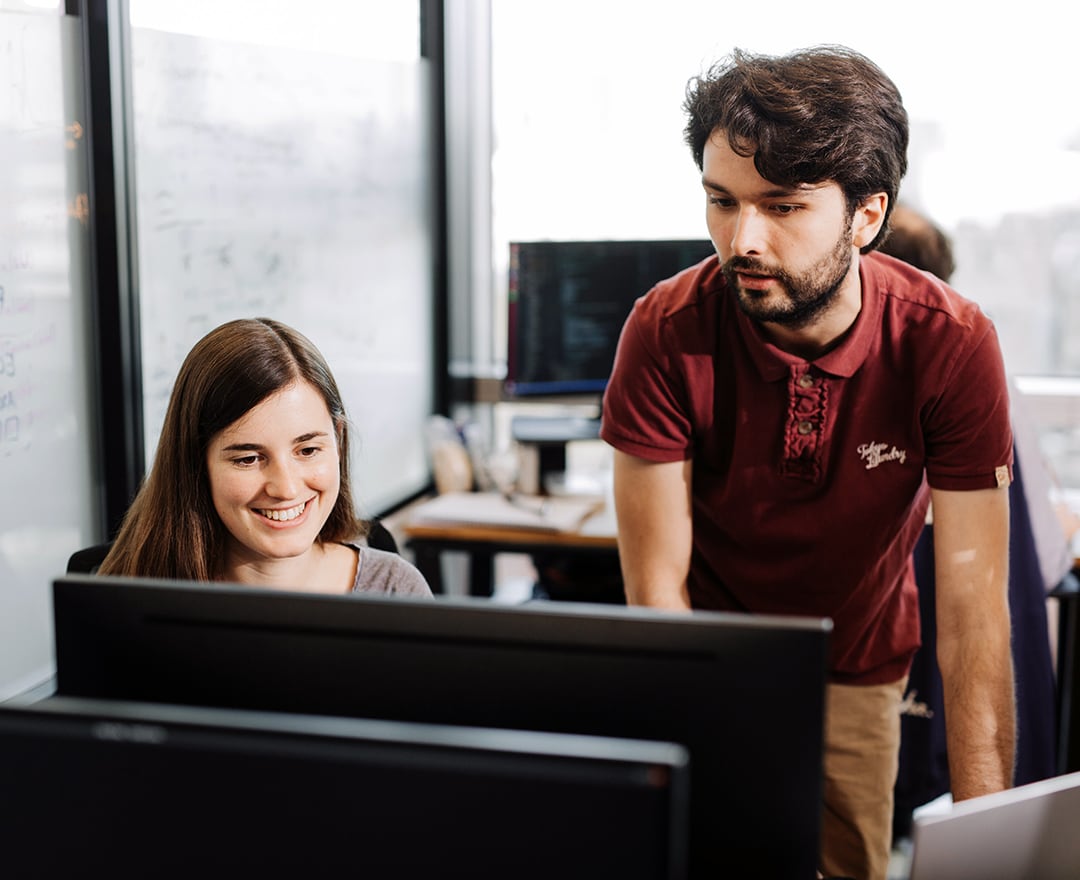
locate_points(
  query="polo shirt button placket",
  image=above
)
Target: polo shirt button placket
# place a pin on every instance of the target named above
(806, 381)
(806, 414)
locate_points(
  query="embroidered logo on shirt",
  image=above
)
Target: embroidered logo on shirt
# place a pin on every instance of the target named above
(875, 454)
(913, 708)
(1001, 475)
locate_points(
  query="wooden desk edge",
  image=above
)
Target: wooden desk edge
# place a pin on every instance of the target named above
(503, 535)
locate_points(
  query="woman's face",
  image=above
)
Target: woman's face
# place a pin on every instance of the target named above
(275, 475)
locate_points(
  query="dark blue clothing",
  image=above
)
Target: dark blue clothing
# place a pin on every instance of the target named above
(924, 770)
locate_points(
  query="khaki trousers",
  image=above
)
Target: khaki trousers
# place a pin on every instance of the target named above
(862, 753)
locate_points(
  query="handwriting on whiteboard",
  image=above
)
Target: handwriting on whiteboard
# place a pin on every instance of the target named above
(45, 212)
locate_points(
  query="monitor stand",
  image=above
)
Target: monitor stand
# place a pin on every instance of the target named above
(549, 435)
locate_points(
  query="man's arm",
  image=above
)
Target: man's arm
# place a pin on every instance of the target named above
(971, 554)
(652, 504)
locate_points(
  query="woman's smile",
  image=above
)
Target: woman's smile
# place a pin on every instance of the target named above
(283, 515)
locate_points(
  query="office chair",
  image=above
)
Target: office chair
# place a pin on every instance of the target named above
(379, 537)
(89, 559)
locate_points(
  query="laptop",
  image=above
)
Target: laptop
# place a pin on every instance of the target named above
(1025, 832)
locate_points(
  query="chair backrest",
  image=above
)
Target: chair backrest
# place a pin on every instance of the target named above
(379, 537)
(89, 559)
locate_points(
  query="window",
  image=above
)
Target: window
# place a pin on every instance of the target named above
(588, 142)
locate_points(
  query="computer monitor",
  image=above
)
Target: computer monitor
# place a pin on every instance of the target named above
(106, 789)
(568, 301)
(744, 694)
(1026, 831)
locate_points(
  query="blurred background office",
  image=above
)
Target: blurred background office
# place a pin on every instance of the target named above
(586, 143)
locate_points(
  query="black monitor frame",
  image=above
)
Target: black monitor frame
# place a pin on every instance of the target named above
(112, 789)
(568, 301)
(745, 694)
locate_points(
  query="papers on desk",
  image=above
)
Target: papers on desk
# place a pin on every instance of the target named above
(549, 514)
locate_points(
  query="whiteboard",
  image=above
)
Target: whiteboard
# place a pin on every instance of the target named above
(49, 501)
(294, 185)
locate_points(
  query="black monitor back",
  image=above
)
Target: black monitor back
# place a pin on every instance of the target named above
(744, 694)
(125, 790)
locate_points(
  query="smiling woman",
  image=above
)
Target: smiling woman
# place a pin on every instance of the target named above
(250, 482)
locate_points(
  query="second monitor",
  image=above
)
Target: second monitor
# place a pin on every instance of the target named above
(568, 301)
(95, 788)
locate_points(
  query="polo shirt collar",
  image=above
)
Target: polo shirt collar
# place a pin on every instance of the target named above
(844, 360)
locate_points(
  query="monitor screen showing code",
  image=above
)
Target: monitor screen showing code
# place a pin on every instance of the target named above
(568, 301)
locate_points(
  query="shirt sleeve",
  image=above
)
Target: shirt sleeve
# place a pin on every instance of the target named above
(967, 427)
(382, 572)
(645, 411)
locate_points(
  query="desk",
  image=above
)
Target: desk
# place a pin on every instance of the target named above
(428, 542)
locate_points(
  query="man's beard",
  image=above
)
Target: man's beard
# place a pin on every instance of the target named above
(808, 295)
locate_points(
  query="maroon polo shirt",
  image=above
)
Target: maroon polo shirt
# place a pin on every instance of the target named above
(810, 477)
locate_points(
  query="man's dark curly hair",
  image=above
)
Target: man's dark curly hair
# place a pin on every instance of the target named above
(819, 114)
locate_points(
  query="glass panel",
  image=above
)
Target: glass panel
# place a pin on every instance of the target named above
(48, 478)
(294, 184)
(359, 28)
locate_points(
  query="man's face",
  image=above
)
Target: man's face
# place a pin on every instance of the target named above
(787, 253)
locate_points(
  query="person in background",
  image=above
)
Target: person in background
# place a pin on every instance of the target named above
(250, 481)
(918, 240)
(783, 412)
(1039, 559)
(915, 239)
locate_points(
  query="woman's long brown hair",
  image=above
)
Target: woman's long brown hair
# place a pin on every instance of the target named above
(171, 530)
